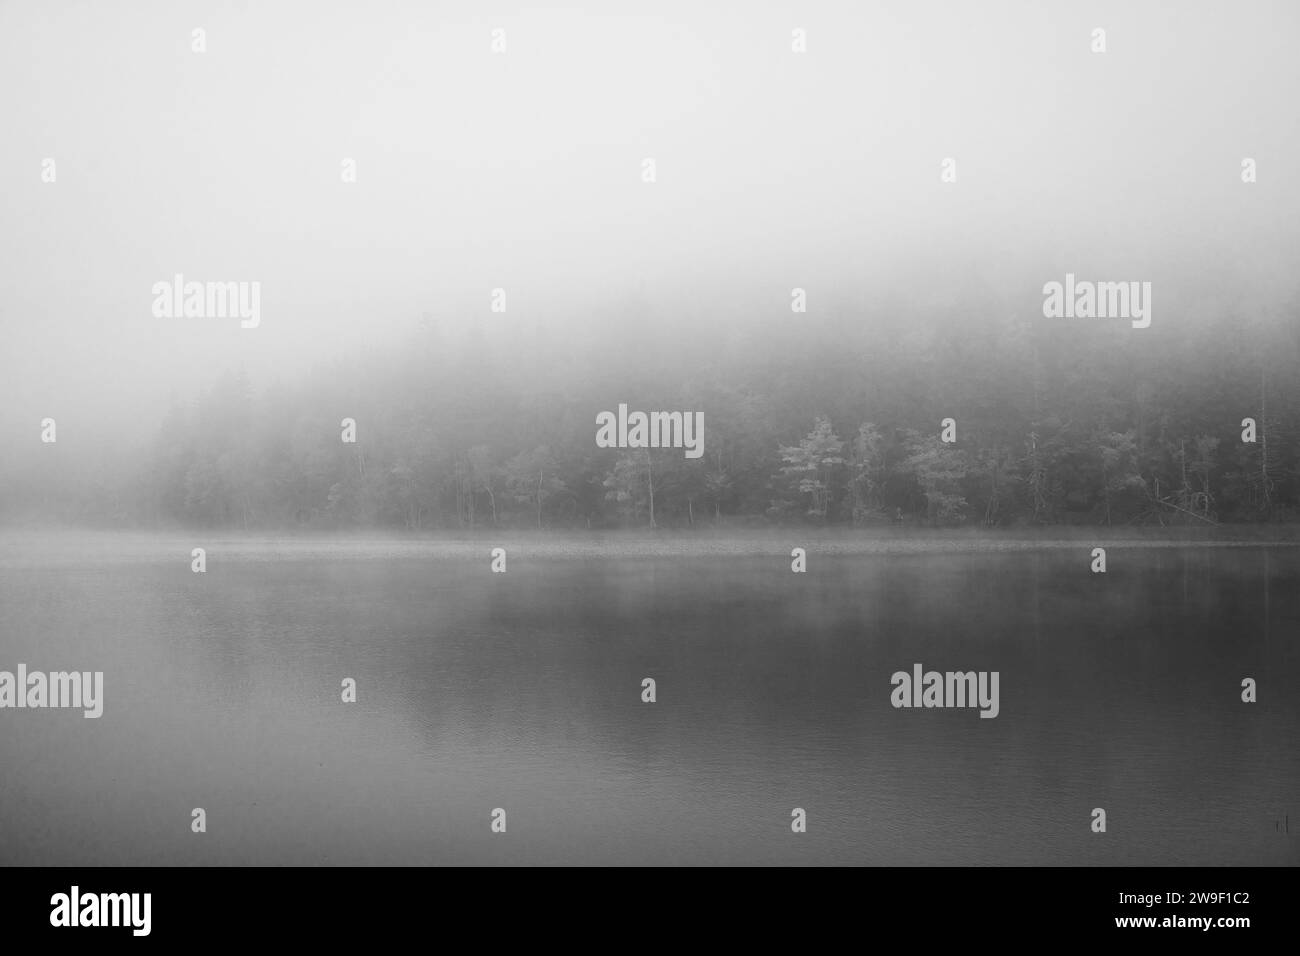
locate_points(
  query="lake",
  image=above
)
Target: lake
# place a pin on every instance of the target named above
(523, 691)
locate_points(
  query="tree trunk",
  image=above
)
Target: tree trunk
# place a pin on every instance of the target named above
(650, 478)
(1263, 440)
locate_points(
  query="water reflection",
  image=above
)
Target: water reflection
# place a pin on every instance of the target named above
(522, 691)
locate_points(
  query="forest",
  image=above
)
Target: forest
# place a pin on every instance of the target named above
(830, 421)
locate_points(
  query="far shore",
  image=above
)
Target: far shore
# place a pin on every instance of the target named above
(33, 546)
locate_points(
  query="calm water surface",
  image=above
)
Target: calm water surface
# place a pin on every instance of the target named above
(522, 691)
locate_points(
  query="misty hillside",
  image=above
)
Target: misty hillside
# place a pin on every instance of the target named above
(821, 420)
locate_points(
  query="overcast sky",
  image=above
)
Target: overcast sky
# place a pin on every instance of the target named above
(523, 170)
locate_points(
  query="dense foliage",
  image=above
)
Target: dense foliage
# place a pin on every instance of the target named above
(827, 421)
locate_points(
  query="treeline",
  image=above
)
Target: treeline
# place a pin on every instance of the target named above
(836, 420)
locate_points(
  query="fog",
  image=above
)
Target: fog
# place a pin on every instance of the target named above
(630, 504)
(523, 170)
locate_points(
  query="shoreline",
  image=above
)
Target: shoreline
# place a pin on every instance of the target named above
(30, 548)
